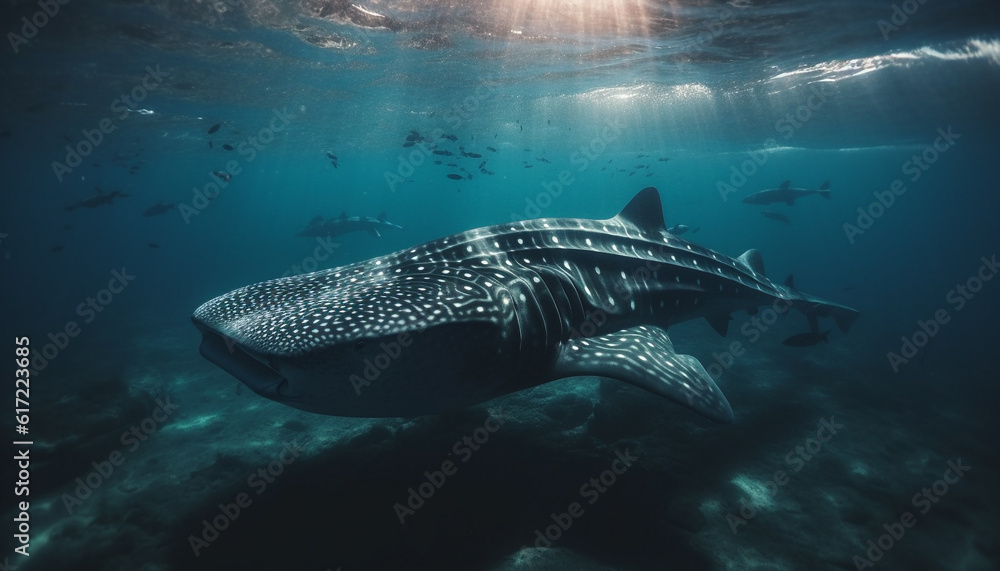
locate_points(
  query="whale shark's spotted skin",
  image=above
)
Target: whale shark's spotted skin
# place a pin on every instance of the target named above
(490, 311)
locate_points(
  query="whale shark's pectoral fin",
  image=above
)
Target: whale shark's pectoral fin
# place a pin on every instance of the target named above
(374, 231)
(644, 356)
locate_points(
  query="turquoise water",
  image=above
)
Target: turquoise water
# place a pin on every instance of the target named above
(709, 103)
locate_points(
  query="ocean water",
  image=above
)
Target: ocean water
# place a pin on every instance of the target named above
(876, 450)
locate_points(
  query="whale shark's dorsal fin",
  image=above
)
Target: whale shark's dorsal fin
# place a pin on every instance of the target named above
(381, 217)
(645, 211)
(753, 260)
(785, 184)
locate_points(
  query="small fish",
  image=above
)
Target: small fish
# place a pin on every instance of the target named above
(331, 156)
(438, 162)
(214, 128)
(474, 155)
(210, 145)
(451, 138)
(631, 173)
(776, 216)
(641, 155)
(409, 144)
(454, 176)
(225, 176)
(484, 171)
(543, 160)
(481, 165)
(806, 339)
(57, 249)
(444, 153)
(640, 166)
(529, 166)
(682, 228)
(153, 245)
(159, 208)
(227, 146)
(664, 159)
(492, 149)
(453, 165)
(649, 175)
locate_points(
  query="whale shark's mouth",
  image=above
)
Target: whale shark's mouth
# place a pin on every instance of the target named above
(244, 365)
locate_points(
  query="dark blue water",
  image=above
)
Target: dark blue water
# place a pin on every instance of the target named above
(709, 102)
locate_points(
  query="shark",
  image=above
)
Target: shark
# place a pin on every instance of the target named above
(159, 208)
(487, 312)
(318, 227)
(95, 200)
(785, 193)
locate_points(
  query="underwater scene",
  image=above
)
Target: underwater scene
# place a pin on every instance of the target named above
(335, 285)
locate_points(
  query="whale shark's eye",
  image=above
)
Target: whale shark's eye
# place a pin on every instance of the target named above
(359, 345)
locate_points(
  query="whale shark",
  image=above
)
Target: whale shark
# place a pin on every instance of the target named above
(490, 311)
